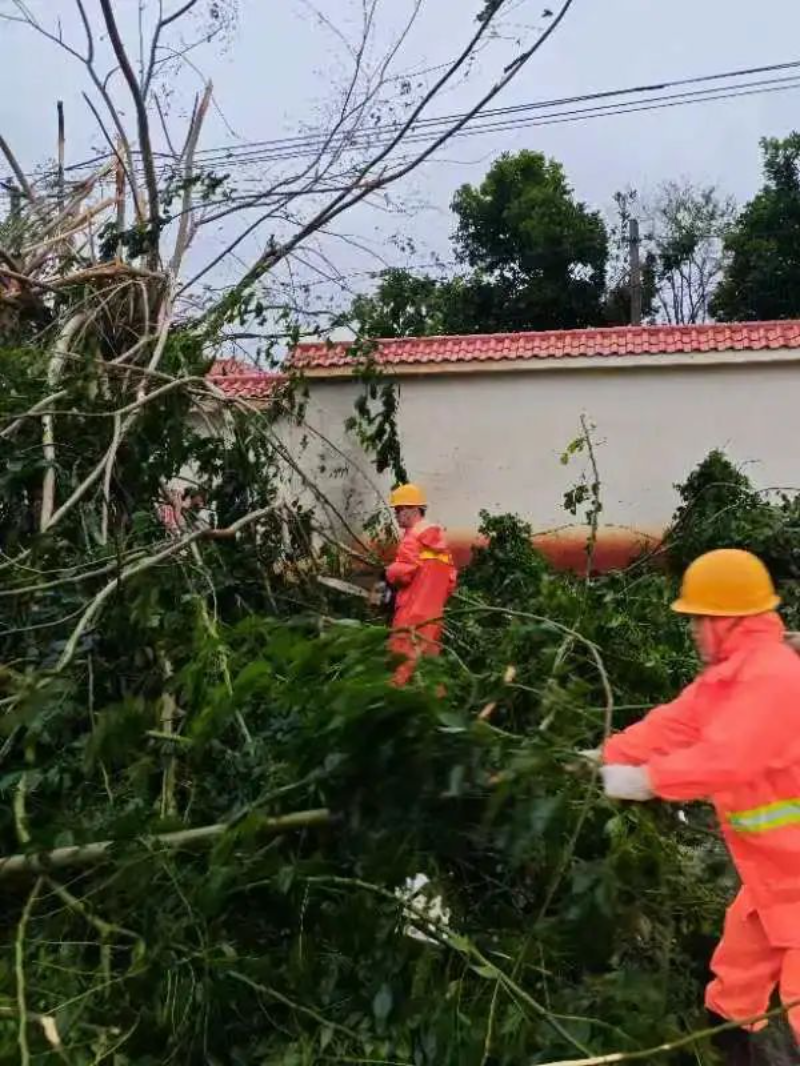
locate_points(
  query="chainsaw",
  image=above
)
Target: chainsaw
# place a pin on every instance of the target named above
(346, 587)
(382, 596)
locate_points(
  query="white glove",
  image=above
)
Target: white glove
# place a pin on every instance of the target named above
(585, 761)
(591, 755)
(627, 783)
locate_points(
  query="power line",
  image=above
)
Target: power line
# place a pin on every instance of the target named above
(290, 147)
(424, 123)
(552, 118)
(645, 104)
(518, 119)
(661, 103)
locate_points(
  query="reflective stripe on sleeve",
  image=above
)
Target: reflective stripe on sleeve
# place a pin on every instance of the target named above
(764, 819)
(439, 557)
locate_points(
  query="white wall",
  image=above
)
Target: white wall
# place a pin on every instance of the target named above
(493, 439)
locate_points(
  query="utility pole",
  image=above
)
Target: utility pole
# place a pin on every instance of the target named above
(61, 146)
(635, 272)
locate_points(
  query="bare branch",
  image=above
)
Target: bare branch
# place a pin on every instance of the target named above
(17, 170)
(145, 146)
(335, 134)
(127, 162)
(162, 25)
(119, 192)
(61, 151)
(361, 187)
(88, 29)
(63, 344)
(183, 237)
(164, 126)
(89, 854)
(88, 61)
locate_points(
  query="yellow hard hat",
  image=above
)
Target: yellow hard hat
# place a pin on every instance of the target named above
(408, 496)
(727, 583)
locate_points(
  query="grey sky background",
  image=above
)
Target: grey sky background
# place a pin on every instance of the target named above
(275, 71)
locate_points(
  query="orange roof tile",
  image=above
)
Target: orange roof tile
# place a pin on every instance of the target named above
(560, 344)
(244, 381)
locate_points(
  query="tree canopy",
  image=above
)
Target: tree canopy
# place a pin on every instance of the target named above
(533, 257)
(545, 251)
(762, 279)
(536, 259)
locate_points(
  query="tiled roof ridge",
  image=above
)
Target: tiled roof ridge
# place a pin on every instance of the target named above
(226, 368)
(556, 344)
(236, 378)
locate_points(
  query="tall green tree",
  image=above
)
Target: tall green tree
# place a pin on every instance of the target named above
(403, 305)
(762, 279)
(535, 258)
(544, 252)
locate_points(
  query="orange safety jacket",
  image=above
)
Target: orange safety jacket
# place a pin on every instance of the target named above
(424, 576)
(733, 736)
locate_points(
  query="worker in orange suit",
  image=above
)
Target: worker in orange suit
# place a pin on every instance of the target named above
(733, 737)
(422, 576)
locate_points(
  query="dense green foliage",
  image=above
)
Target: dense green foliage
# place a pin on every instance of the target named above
(536, 258)
(531, 256)
(292, 950)
(411, 305)
(544, 252)
(762, 278)
(720, 508)
(214, 683)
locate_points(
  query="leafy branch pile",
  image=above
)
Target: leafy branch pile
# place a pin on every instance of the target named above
(211, 796)
(201, 704)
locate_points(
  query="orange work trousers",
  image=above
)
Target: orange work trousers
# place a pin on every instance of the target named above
(411, 644)
(748, 968)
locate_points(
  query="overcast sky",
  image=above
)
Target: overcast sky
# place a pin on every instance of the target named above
(274, 75)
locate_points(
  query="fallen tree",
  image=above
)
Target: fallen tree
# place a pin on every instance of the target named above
(163, 687)
(572, 929)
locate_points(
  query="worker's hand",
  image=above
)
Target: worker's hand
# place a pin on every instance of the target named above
(377, 593)
(382, 595)
(388, 594)
(627, 783)
(793, 641)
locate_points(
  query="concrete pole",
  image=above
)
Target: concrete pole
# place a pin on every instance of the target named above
(636, 273)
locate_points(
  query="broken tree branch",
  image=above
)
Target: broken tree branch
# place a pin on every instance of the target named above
(17, 170)
(88, 854)
(62, 347)
(184, 227)
(145, 145)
